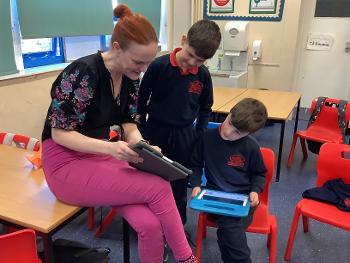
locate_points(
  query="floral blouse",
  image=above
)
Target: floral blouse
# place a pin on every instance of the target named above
(82, 100)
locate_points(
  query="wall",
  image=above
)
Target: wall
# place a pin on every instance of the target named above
(180, 20)
(322, 73)
(279, 39)
(24, 103)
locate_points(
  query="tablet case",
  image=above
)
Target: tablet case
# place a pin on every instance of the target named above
(156, 163)
(222, 203)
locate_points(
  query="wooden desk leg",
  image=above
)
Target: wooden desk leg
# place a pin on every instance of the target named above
(297, 117)
(126, 241)
(283, 124)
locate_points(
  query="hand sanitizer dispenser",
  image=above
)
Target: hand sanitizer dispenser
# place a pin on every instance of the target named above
(256, 50)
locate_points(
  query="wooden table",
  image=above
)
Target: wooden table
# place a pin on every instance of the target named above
(279, 104)
(223, 96)
(27, 202)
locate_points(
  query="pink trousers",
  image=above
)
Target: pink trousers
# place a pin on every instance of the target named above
(143, 199)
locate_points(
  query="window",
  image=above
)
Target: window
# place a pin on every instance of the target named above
(106, 39)
(34, 52)
(42, 51)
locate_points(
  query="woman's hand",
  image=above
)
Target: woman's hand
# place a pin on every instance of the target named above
(254, 199)
(153, 146)
(121, 151)
(195, 191)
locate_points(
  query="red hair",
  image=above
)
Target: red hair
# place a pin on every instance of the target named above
(132, 28)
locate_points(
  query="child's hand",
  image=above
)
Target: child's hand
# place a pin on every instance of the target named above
(196, 190)
(254, 199)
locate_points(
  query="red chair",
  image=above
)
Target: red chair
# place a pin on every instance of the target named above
(18, 247)
(21, 141)
(324, 129)
(263, 222)
(331, 164)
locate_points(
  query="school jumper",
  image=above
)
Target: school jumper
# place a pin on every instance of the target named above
(169, 102)
(82, 101)
(230, 166)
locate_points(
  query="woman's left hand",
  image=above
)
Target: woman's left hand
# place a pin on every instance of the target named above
(153, 146)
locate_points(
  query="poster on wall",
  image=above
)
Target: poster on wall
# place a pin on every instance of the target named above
(221, 6)
(246, 10)
(262, 6)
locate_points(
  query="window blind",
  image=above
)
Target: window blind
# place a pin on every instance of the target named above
(43, 18)
(7, 56)
(148, 8)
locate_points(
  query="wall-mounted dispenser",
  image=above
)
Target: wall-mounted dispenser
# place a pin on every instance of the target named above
(235, 36)
(256, 50)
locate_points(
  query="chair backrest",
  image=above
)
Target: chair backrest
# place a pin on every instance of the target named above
(328, 116)
(269, 161)
(21, 141)
(19, 246)
(333, 163)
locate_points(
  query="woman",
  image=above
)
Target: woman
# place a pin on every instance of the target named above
(82, 168)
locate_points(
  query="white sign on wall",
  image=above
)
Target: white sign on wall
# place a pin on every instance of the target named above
(319, 41)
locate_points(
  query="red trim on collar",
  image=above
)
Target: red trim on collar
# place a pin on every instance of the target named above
(174, 63)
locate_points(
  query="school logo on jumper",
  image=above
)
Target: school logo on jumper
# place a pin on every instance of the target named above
(236, 161)
(195, 87)
(347, 201)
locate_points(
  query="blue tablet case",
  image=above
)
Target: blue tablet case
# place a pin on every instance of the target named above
(222, 203)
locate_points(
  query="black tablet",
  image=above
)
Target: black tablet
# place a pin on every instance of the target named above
(156, 163)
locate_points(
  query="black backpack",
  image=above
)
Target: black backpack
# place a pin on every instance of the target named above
(67, 251)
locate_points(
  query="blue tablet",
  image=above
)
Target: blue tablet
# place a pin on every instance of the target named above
(222, 203)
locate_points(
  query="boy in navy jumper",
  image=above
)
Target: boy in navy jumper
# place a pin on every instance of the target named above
(233, 163)
(175, 90)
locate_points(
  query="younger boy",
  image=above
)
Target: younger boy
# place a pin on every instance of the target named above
(233, 163)
(175, 90)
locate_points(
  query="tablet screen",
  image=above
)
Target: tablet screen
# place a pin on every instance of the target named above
(223, 200)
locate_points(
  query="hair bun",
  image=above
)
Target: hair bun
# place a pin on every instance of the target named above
(122, 10)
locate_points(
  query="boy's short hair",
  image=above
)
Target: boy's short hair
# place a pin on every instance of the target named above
(248, 115)
(204, 37)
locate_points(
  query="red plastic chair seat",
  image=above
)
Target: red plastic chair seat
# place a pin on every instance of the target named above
(331, 164)
(321, 211)
(261, 220)
(324, 129)
(320, 134)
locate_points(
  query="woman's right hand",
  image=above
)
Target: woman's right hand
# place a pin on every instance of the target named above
(121, 151)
